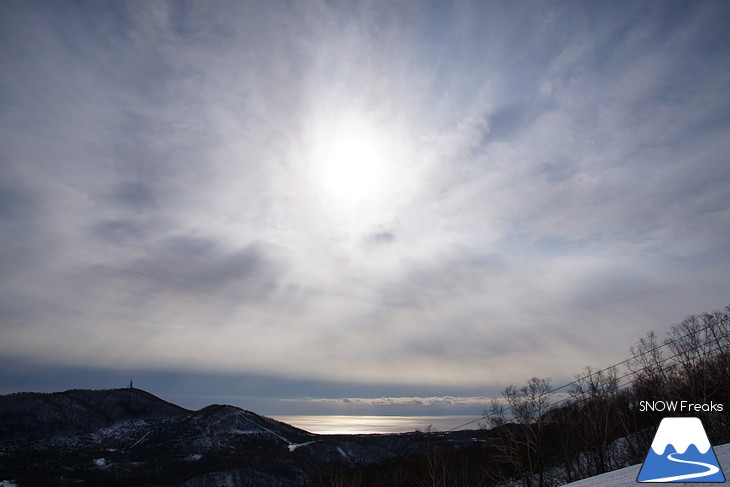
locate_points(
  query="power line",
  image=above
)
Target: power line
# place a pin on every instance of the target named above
(618, 379)
(622, 386)
(715, 340)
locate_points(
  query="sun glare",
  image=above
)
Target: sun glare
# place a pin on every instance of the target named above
(354, 171)
(354, 168)
(352, 162)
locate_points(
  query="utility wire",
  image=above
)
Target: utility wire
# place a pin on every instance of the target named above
(618, 379)
(711, 343)
(638, 378)
(715, 340)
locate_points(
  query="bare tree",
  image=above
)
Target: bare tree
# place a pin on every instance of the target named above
(522, 432)
(435, 467)
(651, 368)
(595, 392)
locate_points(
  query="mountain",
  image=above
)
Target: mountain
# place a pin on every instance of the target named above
(129, 437)
(29, 416)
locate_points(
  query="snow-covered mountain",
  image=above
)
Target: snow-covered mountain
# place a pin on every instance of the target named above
(129, 437)
(30, 415)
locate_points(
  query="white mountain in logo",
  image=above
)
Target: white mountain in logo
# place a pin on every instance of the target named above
(681, 452)
(680, 432)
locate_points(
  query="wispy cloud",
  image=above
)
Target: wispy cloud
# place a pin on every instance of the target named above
(399, 401)
(554, 184)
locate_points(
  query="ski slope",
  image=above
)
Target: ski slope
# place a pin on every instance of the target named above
(627, 476)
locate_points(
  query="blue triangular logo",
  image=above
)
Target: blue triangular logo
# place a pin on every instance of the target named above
(681, 452)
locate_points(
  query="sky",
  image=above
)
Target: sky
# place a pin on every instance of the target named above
(322, 207)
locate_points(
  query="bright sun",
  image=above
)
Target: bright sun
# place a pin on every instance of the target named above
(354, 168)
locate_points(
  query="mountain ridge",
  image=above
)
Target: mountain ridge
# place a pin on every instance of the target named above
(79, 410)
(130, 437)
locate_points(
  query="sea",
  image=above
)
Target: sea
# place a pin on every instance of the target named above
(332, 425)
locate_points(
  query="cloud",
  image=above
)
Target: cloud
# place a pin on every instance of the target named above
(188, 264)
(392, 406)
(402, 401)
(136, 196)
(545, 195)
(116, 231)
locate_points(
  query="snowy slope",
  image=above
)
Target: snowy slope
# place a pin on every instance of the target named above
(627, 476)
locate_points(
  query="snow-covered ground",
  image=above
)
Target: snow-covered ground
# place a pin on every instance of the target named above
(627, 476)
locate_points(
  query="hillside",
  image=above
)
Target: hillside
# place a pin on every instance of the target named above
(129, 437)
(29, 415)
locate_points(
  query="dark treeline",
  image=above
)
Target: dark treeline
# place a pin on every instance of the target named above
(539, 436)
